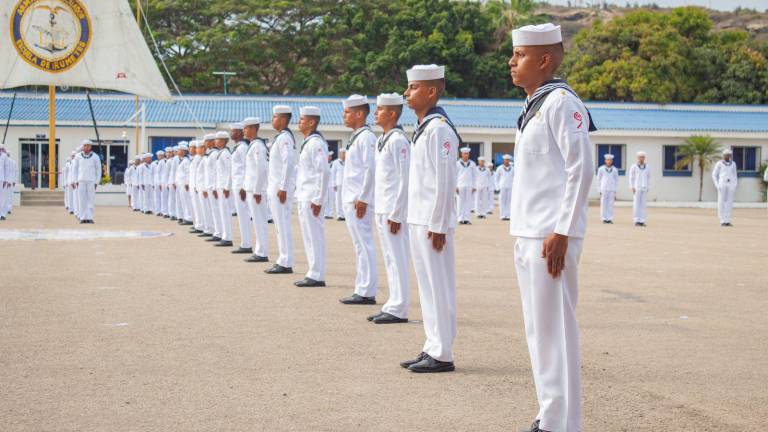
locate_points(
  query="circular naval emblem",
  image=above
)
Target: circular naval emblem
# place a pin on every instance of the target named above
(51, 35)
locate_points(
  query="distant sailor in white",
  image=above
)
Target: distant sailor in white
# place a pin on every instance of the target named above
(88, 168)
(256, 186)
(482, 184)
(239, 163)
(465, 185)
(639, 181)
(182, 185)
(607, 184)
(505, 177)
(224, 188)
(337, 183)
(726, 179)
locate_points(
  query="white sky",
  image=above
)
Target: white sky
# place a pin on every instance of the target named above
(725, 5)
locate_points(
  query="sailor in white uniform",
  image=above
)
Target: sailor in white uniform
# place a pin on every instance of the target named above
(194, 200)
(311, 187)
(210, 186)
(159, 170)
(337, 184)
(281, 186)
(88, 167)
(432, 217)
(127, 182)
(726, 178)
(136, 183)
(482, 184)
(358, 198)
(466, 172)
(505, 177)
(255, 187)
(328, 204)
(607, 184)
(393, 150)
(64, 180)
(639, 181)
(224, 188)
(174, 204)
(184, 200)
(5, 181)
(550, 196)
(145, 180)
(239, 157)
(203, 188)
(491, 189)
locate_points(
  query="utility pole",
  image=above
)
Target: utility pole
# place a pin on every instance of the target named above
(226, 76)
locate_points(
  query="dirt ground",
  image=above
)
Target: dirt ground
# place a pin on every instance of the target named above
(172, 334)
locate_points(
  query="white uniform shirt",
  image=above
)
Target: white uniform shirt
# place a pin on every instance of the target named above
(224, 169)
(337, 173)
(257, 167)
(210, 169)
(238, 166)
(144, 175)
(505, 177)
(182, 172)
(392, 167)
(607, 179)
(466, 172)
(482, 178)
(88, 167)
(127, 175)
(360, 167)
(639, 177)
(4, 168)
(200, 173)
(282, 163)
(725, 174)
(312, 181)
(171, 166)
(553, 160)
(432, 177)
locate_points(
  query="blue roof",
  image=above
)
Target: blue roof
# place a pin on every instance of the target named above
(465, 113)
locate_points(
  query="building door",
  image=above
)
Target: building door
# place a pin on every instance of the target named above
(34, 163)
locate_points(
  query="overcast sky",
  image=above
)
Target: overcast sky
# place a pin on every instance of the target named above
(726, 5)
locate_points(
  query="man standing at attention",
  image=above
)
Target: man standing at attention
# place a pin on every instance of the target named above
(607, 183)
(726, 178)
(553, 160)
(639, 180)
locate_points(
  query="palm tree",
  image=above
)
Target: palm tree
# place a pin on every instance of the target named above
(703, 150)
(509, 14)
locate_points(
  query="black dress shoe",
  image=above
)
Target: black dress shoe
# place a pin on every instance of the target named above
(270, 221)
(74, 212)
(386, 318)
(224, 243)
(355, 299)
(195, 231)
(242, 250)
(256, 259)
(372, 317)
(166, 217)
(82, 221)
(533, 428)
(505, 219)
(329, 217)
(174, 218)
(278, 269)
(205, 234)
(430, 365)
(406, 364)
(309, 283)
(213, 239)
(186, 223)
(341, 219)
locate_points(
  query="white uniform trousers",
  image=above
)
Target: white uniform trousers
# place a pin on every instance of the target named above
(66, 196)
(395, 249)
(725, 196)
(176, 204)
(489, 202)
(464, 204)
(75, 202)
(209, 227)
(3, 198)
(327, 205)
(244, 219)
(313, 235)
(505, 203)
(607, 199)
(481, 202)
(361, 231)
(185, 197)
(259, 219)
(638, 205)
(338, 206)
(159, 200)
(436, 275)
(225, 216)
(281, 216)
(552, 332)
(216, 213)
(87, 195)
(197, 207)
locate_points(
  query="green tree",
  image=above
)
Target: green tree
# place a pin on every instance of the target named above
(701, 150)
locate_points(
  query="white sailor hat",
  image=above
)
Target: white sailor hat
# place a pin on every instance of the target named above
(210, 136)
(236, 126)
(222, 135)
(608, 156)
(282, 109)
(192, 143)
(389, 99)
(159, 152)
(250, 121)
(727, 151)
(330, 153)
(425, 72)
(86, 142)
(182, 142)
(175, 148)
(183, 146)
(355, 100)
(342, 150)
(138, 157)
(168, 148)
(640, 153)
(148, 155)
(72, 153)
(480, 159)
(464, 149)
(541, 34)
(309, 111)
(507, 157)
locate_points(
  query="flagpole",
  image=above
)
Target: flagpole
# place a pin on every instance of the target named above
(52, 137)
(138, 136)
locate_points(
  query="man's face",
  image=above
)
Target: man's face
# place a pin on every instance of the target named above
(306, 124)
(609, 162)
(465, 157)
(481, 163)
(86, 148)
(237, 134)
(524, 65)
(221, 142)
(641, 160)
(351, 117)
(182, 153)
(418, 95)
(727, 157)
(506, 162)
(251, 131)
(279, 122)
(208, 144)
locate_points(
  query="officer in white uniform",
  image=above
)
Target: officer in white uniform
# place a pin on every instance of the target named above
(358, 198)
(159, 169)
(607, 184)
(204, 179)
(239, 153)
(136, 184)
(550, 196)
(281, 186)
(210, 186)
(193, 195)
(432, 217)
(311, 187)
(184, 199)
(88, 166)
(391, 206)
(255, 188)
(726, 179)
(505, 177)
(224, 188)
(173, 191)
(466, 172)
(145, 180)
(639, 180)
(127, 181)
(482, 184)
(337, 184)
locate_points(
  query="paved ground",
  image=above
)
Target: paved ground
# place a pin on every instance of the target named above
(171, 334)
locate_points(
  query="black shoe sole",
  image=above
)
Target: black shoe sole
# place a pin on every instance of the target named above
(397, 321)
(448, 368)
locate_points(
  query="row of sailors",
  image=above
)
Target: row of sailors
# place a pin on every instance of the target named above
(476, 184)
(9, 172)
(81, 176)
